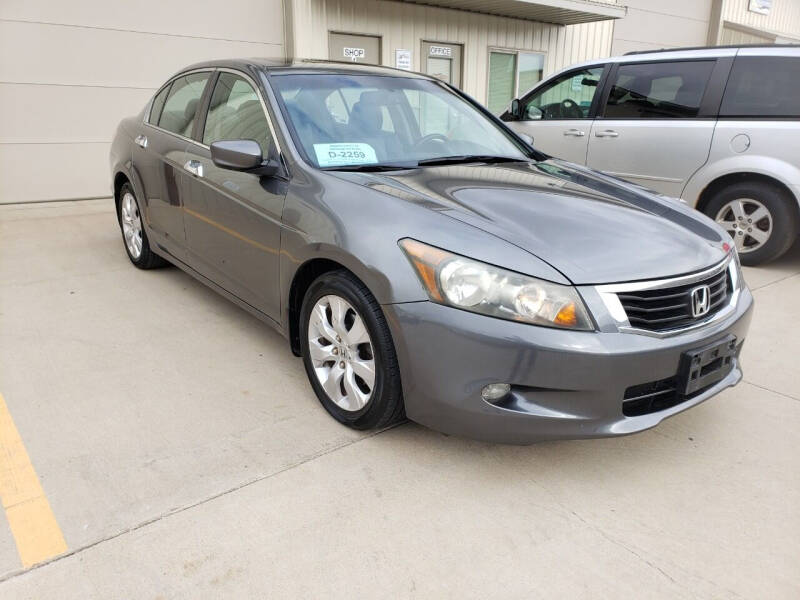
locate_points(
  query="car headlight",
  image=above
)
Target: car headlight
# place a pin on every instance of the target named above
(471, 285)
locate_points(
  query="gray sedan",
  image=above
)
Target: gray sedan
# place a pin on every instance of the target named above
(423, 259)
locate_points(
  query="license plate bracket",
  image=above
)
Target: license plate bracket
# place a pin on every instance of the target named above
(706, 366)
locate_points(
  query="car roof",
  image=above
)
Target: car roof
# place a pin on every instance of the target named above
(305, 66)
(683, 54)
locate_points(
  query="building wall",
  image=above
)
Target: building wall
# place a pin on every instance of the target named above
(656, 24)
(70, 71)
(783, 18)
(405, 26)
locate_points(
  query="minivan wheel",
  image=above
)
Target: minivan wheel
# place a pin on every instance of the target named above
(759, 217)
(348, 353)
(133, 233)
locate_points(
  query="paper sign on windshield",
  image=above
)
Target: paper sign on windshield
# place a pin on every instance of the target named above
(344, 153)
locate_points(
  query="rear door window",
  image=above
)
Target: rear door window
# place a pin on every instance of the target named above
(665, 90)
(180, 108)
(762, 86)
(158, 104)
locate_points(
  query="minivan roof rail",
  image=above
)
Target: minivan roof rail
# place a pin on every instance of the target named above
(711, 48)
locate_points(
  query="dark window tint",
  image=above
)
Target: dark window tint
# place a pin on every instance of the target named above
(668, 90)
(181, 105)
(235, 113)
(158, 104)
(763, 86)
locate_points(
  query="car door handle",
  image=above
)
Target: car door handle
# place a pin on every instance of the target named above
(606, 133)
(141, 140)
(574, 132)
(195, 167)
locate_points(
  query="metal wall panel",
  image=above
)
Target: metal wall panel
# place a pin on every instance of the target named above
(783, 17)
(405, 26)
(70, 71)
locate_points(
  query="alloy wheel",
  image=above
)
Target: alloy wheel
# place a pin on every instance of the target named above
(131, 225)
(341, 352)
(747, 221)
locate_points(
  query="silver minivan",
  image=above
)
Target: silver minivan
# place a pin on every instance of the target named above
(717, 127)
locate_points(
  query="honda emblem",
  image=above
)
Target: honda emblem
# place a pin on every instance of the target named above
(701, 300)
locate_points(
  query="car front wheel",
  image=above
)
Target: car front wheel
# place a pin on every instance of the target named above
(348, 353)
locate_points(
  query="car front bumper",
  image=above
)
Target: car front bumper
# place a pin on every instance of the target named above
(565, 384)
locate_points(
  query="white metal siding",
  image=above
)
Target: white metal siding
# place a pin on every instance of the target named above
(405, 26)
(656, 24)
(70, 71)
(784, 17)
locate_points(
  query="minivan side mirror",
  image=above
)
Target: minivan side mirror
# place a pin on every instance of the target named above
(243, 155)
(516, 109)
(526, 138)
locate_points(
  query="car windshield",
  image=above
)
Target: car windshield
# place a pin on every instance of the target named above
(360, 120)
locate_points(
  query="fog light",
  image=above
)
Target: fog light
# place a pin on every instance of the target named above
(495, 391)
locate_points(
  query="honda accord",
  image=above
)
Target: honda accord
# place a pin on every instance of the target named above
(423, 259)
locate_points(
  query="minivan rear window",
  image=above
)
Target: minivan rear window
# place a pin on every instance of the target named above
(763, 86)
(663, 90)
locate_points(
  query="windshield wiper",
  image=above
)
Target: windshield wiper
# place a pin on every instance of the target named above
(468, 158)
(368, 168)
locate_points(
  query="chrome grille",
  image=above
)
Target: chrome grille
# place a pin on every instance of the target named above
(670, 308)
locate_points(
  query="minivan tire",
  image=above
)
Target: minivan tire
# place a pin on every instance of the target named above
(782, 209)
(385, 405)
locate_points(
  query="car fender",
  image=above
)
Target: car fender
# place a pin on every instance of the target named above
(780, 170)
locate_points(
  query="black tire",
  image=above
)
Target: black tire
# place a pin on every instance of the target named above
(147, 259)
(385, 404)
(782, 209)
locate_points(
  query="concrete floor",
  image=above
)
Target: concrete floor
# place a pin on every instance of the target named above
(184, 455)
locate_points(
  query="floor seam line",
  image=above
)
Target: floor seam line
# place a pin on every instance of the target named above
(182, 509)
(766, 285)
(766, 389)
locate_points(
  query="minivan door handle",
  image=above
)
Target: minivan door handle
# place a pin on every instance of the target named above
(141, 140)
(606, 133)
(195, 167)
(574, 132)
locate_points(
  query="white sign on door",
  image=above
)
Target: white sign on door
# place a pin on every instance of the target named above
(354, 53)
(402, 59)
(440, 51)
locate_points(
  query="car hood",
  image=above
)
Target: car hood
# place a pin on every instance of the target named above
(591, 227)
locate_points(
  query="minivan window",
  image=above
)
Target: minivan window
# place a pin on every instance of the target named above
(181, 105)
(235, 113)
(664, 90)
(763, 86)
(568, 97)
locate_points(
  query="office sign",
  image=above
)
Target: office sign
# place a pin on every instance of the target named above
(445, 51)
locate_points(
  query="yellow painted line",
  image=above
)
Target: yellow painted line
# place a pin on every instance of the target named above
(32, 522)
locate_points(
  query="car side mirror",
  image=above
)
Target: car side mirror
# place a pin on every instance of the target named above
(516, 109)
(243, 155)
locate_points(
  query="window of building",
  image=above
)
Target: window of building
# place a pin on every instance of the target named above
(568, 97)
(658, 90)
(763, 86)
(235, 113)
(511, 74)
(180, 107)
